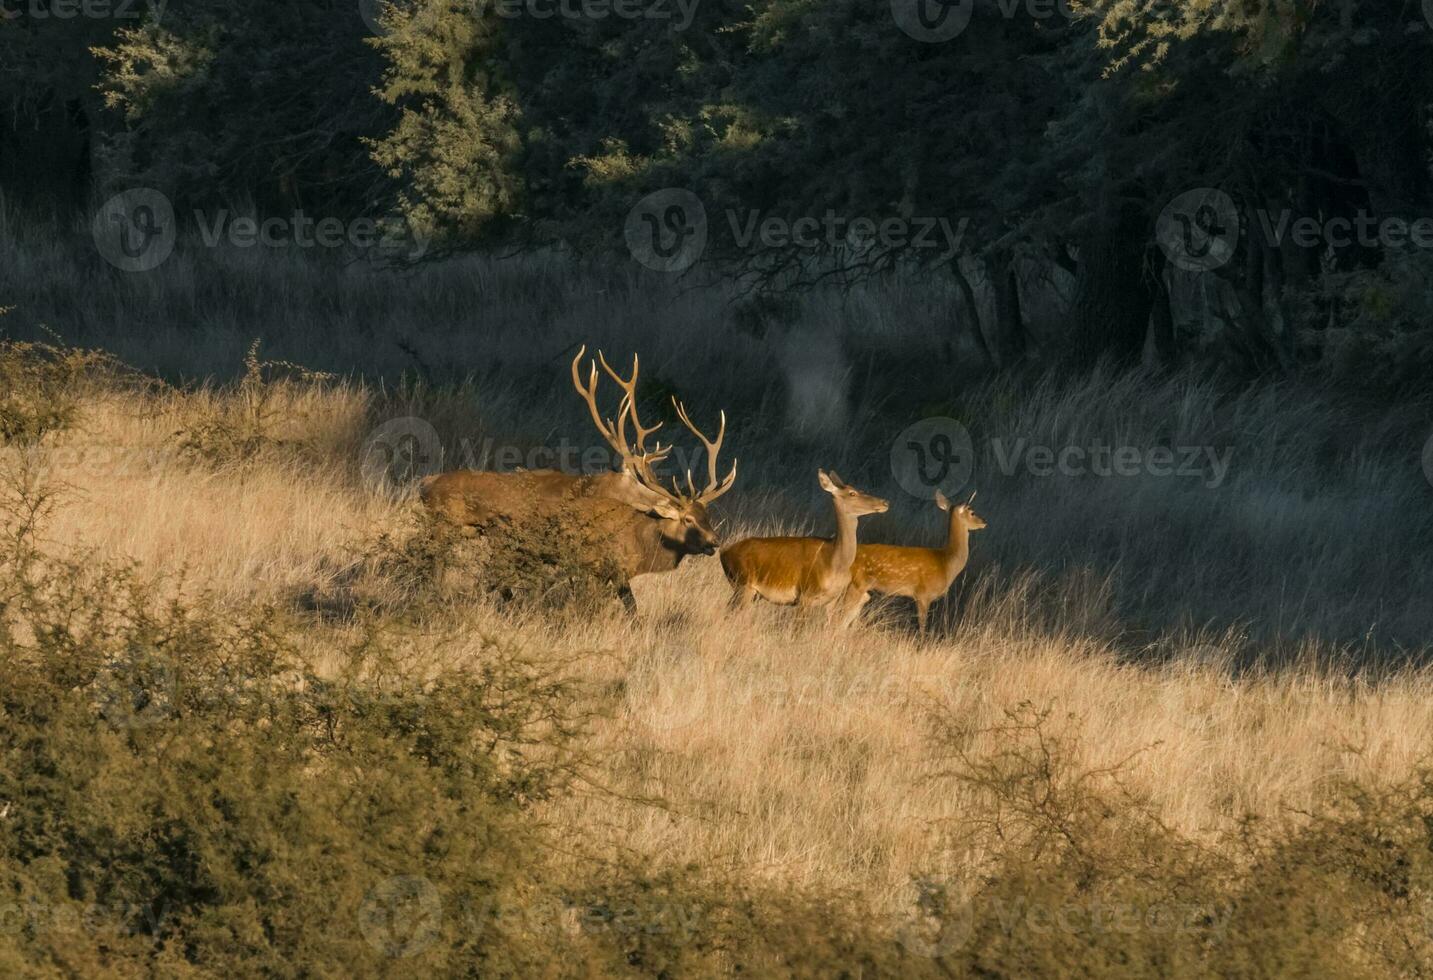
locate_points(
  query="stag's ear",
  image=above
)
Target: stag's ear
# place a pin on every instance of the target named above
(666, 510)
(825, 481)
(941, 502)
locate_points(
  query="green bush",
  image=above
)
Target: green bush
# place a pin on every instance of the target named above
(182, 793)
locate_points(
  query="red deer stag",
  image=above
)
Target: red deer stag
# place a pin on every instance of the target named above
(643, 525)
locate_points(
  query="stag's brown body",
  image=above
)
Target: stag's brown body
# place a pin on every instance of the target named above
(475, 498)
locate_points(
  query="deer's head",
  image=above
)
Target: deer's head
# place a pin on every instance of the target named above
(848, 499)
(961, 513)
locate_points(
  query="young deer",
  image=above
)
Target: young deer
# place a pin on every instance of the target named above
(922, 574)
(806, 572)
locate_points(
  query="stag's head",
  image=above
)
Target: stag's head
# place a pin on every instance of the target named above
(683, 522)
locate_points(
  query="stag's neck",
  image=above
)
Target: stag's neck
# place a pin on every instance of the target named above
(957, 549)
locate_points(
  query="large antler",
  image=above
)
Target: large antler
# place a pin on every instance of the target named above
(714, 488)
(636, 459)
(629, 400)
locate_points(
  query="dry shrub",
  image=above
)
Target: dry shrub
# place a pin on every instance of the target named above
(243, 421)
(552, 562)
(1077, 875)
(182, 794)
(42, 387)
(429, 566)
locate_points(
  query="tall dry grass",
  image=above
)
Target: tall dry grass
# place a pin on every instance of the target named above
(1232, 651)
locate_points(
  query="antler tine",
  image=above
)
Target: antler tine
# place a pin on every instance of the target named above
(589, 395)
(715, 487)
(629, 385)
(636, 459)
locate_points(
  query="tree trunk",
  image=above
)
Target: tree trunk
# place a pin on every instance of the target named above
(1009, 343)
(970, 312)
(1161, 321)
(1113, 296)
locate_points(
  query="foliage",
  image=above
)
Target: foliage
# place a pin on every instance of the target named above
(1369, 327)
(232, 102)
(1081, 876)
(545, 564)
(41, 388)
(244, 422)
(184, 794)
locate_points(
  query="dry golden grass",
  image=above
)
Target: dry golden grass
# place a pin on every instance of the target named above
(780, 747)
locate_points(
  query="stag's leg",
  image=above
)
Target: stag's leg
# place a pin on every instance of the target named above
(922, 610)
(629, 601)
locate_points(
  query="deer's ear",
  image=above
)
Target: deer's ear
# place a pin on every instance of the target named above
(826, 483)
(941, 502)
(666, 510)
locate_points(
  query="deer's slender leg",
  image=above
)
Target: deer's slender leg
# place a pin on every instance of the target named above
(851, 606)
(922, 610)
(741, 597)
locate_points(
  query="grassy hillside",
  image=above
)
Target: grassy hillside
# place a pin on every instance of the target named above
(1171, 722)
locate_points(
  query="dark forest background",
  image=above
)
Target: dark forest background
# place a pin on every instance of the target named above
(1059, 135)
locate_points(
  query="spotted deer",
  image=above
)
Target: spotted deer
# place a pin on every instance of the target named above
(922, 574)
(800, 571)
